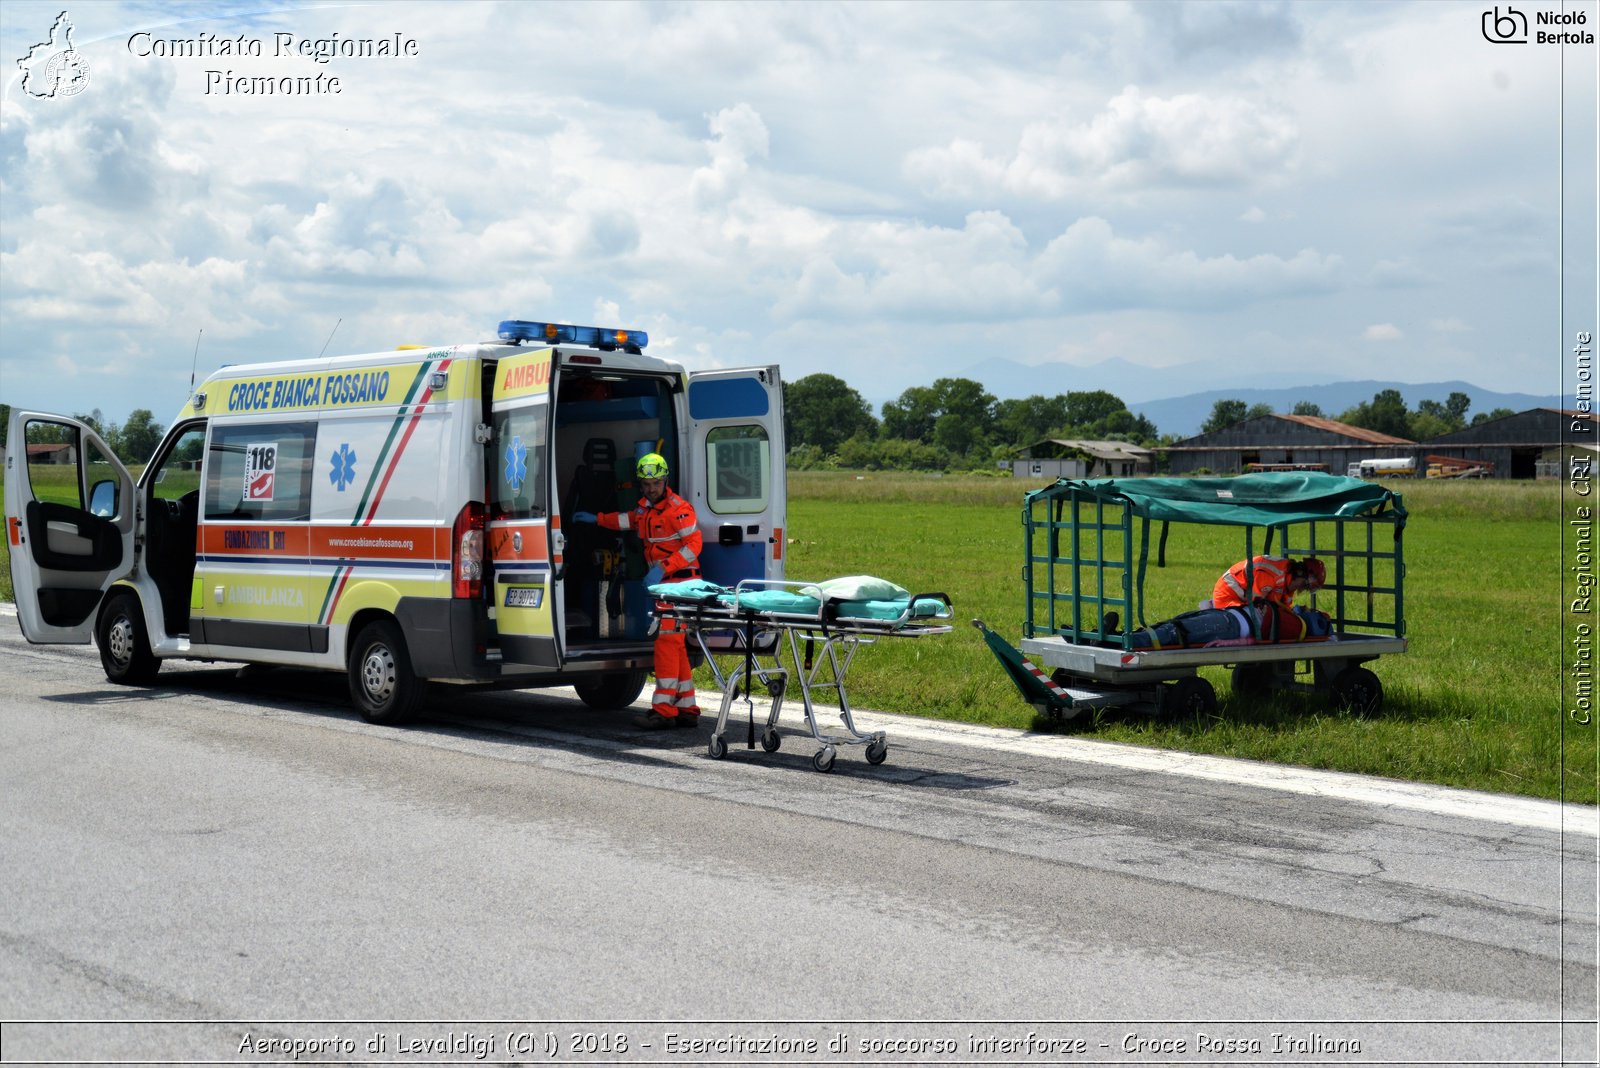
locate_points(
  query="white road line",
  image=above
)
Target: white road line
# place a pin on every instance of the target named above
(1391, 793)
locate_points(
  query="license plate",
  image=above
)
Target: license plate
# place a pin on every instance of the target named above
(524, 596)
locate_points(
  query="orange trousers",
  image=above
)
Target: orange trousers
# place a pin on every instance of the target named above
(674, 693)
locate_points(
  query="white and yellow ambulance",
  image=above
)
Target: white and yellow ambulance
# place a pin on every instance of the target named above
(397, 516)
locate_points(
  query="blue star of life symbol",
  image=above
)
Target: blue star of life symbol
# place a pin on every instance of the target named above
(516, 463)
(344, 467)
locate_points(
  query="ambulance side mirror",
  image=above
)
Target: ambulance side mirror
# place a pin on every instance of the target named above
(103, 498)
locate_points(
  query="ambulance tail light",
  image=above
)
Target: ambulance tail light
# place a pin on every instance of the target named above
(466, 553)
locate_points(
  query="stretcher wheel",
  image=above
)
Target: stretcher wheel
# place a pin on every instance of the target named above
(1358, 690)
(770, 741)
(716, 748)
(877, 752)
(1193, 696)
(823, 759)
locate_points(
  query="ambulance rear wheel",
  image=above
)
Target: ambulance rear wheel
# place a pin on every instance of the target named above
(124, 644)
(383, 687)
(612, 691)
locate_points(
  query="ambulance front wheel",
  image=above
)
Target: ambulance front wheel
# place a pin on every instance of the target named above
(383, 687)
(124, 644)
(612, 691)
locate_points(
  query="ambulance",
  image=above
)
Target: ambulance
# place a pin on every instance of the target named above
(397, 516)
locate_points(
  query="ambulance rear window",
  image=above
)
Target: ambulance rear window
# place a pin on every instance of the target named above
(519, 490)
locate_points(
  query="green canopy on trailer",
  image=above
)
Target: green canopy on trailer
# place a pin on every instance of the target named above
(1267, 499)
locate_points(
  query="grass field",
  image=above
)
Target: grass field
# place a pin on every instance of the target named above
(1475, 702)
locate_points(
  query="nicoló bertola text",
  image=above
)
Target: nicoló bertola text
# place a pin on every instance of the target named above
(321, 50)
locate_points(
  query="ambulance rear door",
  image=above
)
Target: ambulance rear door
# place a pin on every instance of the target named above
(525, 540)
(735, 459)
(70, 524)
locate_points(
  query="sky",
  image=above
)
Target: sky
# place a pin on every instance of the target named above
(1143, 196)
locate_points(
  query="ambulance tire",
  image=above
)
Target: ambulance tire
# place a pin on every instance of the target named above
(124, 644)
(383, 687)
(612, 691)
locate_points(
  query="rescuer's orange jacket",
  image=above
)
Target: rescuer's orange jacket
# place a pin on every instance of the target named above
(669, 530)
(1269, 575)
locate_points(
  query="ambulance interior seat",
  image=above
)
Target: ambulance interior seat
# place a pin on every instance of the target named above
(593, 489)
(169, 553)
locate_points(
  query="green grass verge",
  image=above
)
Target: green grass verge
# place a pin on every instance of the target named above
(1474, 703)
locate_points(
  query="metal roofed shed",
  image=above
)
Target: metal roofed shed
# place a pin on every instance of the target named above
(1088, 550)
(1081, 458)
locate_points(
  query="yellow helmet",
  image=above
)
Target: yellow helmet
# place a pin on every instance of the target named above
(651, 465)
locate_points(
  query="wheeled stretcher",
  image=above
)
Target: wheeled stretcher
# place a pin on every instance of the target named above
(766, 633)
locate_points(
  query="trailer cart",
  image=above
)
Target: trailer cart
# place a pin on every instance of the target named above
(1087, 548)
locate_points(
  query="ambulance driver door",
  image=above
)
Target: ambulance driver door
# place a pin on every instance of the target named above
(524, 543)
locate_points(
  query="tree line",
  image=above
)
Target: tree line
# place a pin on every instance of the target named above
(955, 424)
(133, 441)
(1386, 413)
(952, 425)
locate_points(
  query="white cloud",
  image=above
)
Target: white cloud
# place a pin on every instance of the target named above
(1138, 141)
(1381, 332)
(1160, 183)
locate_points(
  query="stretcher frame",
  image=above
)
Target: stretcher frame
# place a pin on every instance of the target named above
(756, 656)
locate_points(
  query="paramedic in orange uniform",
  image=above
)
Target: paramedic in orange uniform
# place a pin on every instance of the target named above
(667, 526)
(1276, 579)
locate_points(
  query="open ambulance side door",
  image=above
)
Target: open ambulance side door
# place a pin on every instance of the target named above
(735, 466)
(70, 524)
(525, 541)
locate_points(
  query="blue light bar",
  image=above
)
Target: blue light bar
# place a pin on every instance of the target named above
(561, 333)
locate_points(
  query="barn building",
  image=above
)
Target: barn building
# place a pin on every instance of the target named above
(1284, 442)
(1515, 444)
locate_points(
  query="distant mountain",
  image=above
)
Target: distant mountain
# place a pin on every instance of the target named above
(1134, 384)
(1184, 415)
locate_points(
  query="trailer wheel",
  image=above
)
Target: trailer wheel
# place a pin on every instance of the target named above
(1358, 690)
(612, 691)
(823, 760)
(770, 741)
(1193, 696)
(383, 687)
(124, 646)
(1252, 682)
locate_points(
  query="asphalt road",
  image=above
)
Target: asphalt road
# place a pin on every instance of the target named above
(236, 869)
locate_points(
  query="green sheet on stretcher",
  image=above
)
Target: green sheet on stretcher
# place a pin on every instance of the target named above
(778, 602)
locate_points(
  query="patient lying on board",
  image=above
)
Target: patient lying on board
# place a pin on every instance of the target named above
(1265, 621)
